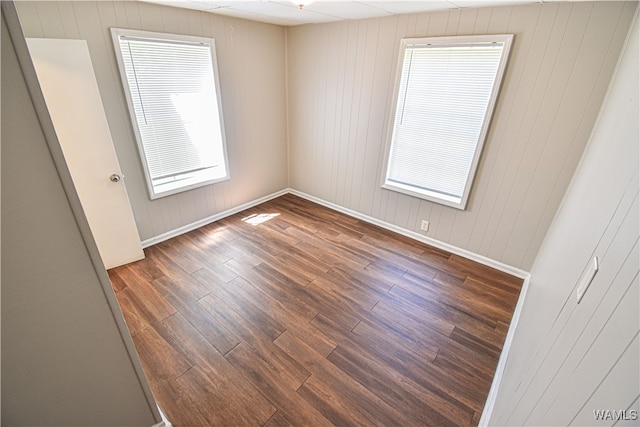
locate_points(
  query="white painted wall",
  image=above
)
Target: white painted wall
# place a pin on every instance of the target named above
(340, 83)
(568, 360)
(251, 62)
(64, 360)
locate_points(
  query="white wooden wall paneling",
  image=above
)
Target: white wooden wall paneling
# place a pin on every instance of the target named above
(563, 57)
(622, 379)
(341, 81)
(503, 178)
(609, 328)
(584, 89)
(566, 357)
(577, 328)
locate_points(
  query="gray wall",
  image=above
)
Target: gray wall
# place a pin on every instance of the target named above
(341, 78)
(569, 359)
(251, 63)
(64, 361)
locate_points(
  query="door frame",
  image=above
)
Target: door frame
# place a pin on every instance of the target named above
(15, 30)
(67, 79)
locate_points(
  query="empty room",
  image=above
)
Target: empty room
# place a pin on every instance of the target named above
(301, 213)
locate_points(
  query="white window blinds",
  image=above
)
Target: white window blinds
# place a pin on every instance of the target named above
(172, 95)
(446, 91)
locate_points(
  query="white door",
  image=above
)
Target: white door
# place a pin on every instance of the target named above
(70, 90)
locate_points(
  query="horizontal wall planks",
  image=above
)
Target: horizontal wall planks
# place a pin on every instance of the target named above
(313, 317)
(341, 85)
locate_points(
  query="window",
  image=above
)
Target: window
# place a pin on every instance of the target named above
(445, 93)
(172, 90)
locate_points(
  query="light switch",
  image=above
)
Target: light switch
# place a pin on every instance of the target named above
(587, 278)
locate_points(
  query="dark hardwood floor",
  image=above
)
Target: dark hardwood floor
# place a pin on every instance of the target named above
(313, 318)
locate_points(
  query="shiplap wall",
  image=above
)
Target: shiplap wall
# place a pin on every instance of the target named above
(340, 83)
(251, 63)
(569, 359)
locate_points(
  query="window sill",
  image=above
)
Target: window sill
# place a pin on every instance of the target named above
(432, 196)
(186, 183)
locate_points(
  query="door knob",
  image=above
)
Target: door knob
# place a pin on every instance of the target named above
(115, 177)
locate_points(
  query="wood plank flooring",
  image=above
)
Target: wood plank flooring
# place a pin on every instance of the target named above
(293, 314)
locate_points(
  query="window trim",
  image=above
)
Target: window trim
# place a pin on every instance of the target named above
(116, 33)
(507, 40)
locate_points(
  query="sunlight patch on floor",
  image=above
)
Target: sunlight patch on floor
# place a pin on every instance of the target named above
(257, 219)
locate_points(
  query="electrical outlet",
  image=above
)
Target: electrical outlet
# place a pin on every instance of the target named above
(424, 226)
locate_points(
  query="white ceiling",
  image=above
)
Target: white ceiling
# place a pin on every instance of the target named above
(285, 12)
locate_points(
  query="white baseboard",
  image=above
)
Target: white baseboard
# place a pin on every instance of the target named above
(208, 220)
(411, 234)
(165, 422)
(504, 355)
(416, 236)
